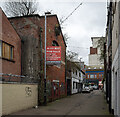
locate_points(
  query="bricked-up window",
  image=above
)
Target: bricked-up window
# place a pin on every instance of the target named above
(6, 50)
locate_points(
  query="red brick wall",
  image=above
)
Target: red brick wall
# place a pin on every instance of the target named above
(26, 26)
(10, 36)
(54, 72)
(93, 50)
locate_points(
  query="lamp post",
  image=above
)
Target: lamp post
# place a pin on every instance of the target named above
(45, 96)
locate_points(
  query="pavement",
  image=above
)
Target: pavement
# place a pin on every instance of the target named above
(93, 103)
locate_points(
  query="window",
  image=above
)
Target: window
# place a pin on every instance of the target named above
(88, 76)
(95, 75)
(76, 72)
(54, 43)
(6, 50)
(101, 75)
(91, 75)
(79, 74)
(74, 85)
(73, 71)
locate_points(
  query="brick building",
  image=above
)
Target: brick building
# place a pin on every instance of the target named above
(95, 70)
(31, 30)
(94, 76)
(10, 49)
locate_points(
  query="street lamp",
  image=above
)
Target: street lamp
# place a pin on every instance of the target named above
(45, 95)
(45, 98)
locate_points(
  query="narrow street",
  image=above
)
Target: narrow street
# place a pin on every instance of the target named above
(79, 104)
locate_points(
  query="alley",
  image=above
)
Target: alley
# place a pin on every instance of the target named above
(79, 104)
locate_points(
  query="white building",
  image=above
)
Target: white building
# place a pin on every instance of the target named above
(77, 80)
(75, 77)
(115, 81)
(95, 52)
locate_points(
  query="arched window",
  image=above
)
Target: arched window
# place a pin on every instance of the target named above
(54, 43)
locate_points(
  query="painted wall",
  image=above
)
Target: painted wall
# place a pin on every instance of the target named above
(16, 97)
(74, 90)
(115, 32)
(75, 80)
(94, 59)
(114, 82)
(115, 99)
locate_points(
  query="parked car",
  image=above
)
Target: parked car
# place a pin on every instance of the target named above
(86, 89)
(91, 88)
(95, 87)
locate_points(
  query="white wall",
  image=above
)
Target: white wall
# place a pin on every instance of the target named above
(75, 78)
(118, 85)
(75, 90)
(116, 61)
(16, 97)
(94, 59)
(95, 42)
(114, 82)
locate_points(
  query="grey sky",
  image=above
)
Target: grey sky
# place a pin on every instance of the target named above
(89, 20)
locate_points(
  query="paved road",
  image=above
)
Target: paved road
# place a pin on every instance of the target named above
(79, 104)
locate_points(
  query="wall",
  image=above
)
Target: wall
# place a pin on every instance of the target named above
(114, 82)
(94, 60)
(28, 29)
(0, 100)
(95, 41)
(119, 63)
(75, 78)
(16, 97)
(75, 90)
(115, 99)
(93, 50)
(10, 36)
(54, 72)
(115, 32)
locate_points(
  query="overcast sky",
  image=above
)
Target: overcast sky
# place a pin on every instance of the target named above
(89, 20)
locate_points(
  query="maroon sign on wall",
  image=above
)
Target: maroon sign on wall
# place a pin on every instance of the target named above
(53, 54)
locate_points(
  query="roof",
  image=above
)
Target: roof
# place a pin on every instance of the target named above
(73, 65)
(37, 15)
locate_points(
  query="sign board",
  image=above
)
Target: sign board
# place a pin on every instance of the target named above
(53, 53)
(53, 62)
